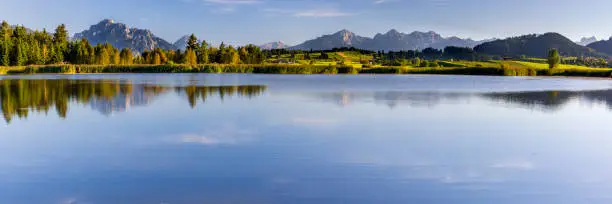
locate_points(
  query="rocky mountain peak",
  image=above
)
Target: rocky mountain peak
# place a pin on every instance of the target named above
(394, 34)
(587, 40)
(122, 36)
(274, 45)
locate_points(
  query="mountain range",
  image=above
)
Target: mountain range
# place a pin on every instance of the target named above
(139, 40)
(390, 41)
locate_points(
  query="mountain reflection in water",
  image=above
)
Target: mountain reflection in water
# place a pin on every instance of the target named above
(540, 100)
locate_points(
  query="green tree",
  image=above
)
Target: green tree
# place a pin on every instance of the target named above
(203, 53)
(192, 42)
(603, 62)
(19, 58)
(162, 55)
(424, 63)
(116, 57)
(178, 56)
(233, 56)
(52, 55)
(553, 58)
(416, 61)
(35, 54)
(126, 56)
(220, 53)
(190, 57)
(102, 55)
(20, 50)
(60, 39)
(156, 59)
(5, 44)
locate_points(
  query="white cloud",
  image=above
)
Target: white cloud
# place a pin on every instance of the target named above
(278, 11)
(228, 6)
(69, 201)
(233, 2)
(315, 13)
(228, 135)
(223, 10)
(321, 13)
(384, 1)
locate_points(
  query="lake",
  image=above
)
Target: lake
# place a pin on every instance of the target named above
(198, 138)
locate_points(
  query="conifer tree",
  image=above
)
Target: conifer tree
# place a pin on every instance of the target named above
(192, 42)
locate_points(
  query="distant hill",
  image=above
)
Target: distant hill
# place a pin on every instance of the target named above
(390, 41)
(535, 46)
(604, 46)
(274, 45)
(121, 36)
(584, 41)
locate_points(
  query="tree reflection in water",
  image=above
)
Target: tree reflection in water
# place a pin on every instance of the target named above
(20, 97)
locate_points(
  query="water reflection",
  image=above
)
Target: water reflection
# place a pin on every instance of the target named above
(301, 142)
(551, 100)
(19, 97)
(393, 99)
(537, 100)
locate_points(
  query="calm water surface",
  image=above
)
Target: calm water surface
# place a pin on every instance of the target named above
(182, 139)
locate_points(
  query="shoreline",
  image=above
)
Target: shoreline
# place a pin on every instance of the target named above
(586, 73)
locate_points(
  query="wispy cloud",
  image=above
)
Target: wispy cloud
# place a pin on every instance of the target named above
(228, 6)
(278, 11)
(313, 13)
(223, 10)
(384, 1)
(233, 2)
(321, 13)
(69, 201)
(228, 135)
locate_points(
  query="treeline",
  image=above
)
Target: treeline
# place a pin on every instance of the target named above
(428, 57)
(19, 47)
(203, 53)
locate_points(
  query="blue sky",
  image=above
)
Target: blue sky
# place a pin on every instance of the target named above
(294, 21)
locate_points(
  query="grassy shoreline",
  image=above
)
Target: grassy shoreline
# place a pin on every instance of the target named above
(505, 69)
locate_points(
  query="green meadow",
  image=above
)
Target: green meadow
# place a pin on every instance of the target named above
(491, 68)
